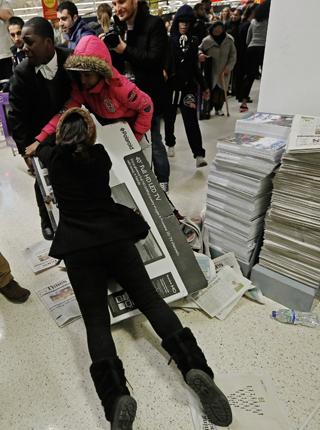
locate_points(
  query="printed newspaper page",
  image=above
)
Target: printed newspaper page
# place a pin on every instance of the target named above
(60, 301)
(37, 256)
(226, 289)
(305, 134)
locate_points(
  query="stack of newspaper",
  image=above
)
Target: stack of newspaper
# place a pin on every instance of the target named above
(267, 124)
(239, 191)
(292, 234)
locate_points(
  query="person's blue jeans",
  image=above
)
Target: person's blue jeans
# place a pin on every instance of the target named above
(159, 153)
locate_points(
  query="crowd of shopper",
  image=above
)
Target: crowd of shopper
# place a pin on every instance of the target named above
(140, 68)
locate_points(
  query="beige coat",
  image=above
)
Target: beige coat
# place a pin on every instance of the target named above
(224, 55)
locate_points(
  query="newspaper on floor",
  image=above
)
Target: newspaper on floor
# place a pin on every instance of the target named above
(229, 259)
(60, 301)
(37, 256)
(227, 288)
(253, 402)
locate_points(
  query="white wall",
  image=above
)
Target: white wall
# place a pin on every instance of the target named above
(291, 74)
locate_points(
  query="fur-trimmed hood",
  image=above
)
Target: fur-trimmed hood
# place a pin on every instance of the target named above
(92, 55)
(92, 132)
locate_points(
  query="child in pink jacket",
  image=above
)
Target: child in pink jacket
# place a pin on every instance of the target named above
(103, 90)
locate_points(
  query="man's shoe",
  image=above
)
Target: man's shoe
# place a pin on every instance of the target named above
(219, 113)
(171, 151)
(47, 231)
(201, 162)
(204, 115)
(13, 292)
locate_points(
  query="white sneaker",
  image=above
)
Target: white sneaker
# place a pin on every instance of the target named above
(201, 162)
(219, 113)
(164, 186)
(171, 151)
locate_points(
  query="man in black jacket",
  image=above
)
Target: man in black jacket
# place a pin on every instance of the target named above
(15, 25)
(142, 51)
(39, 88)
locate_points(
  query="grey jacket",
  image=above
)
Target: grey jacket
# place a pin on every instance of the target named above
(257, 33)
(224, 55)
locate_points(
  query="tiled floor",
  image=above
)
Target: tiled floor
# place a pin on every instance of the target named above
(44, 378)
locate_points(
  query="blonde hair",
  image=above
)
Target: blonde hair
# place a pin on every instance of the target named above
(104, 13)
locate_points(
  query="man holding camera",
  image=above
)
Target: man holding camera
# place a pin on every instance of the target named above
(141, 51)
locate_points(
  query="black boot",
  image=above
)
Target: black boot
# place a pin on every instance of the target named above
(184, 350)
(110, 383)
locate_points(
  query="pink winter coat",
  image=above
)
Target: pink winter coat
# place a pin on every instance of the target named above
(114, 97)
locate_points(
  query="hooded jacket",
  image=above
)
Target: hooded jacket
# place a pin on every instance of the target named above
(77, 31)
(113, 98)
(182, 65)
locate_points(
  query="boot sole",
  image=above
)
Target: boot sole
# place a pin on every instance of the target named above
(124, 413)
(214, 402)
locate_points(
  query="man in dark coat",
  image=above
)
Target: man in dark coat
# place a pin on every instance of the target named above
(142, 51)
(39, 88)
(71, 24)
(15, 25)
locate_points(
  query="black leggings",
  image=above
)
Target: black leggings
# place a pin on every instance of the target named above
(89, 271)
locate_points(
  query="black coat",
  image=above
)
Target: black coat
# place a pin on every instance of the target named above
(33, 100)
(88, 215)
(183, 66)
(146, 52)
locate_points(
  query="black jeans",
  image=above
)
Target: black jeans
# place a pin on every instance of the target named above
(187, 102)
(89, 271)
(254, 60)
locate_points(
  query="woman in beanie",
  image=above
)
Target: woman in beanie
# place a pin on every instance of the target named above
(96, 238)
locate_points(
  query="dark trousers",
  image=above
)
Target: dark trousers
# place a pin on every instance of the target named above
(41, 205)
(89, 271)
(159, 154)
(216, 98)
(254, 60)
(187, 103)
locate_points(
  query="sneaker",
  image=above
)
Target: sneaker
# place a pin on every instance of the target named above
(164, 186)
(219, 113)
(201, 162)
(171, 151)
(13, 292)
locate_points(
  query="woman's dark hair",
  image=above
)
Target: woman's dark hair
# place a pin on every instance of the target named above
(74, 135)
(262, 12)
(248, 11)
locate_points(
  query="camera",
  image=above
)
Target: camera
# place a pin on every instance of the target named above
(112, 38)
